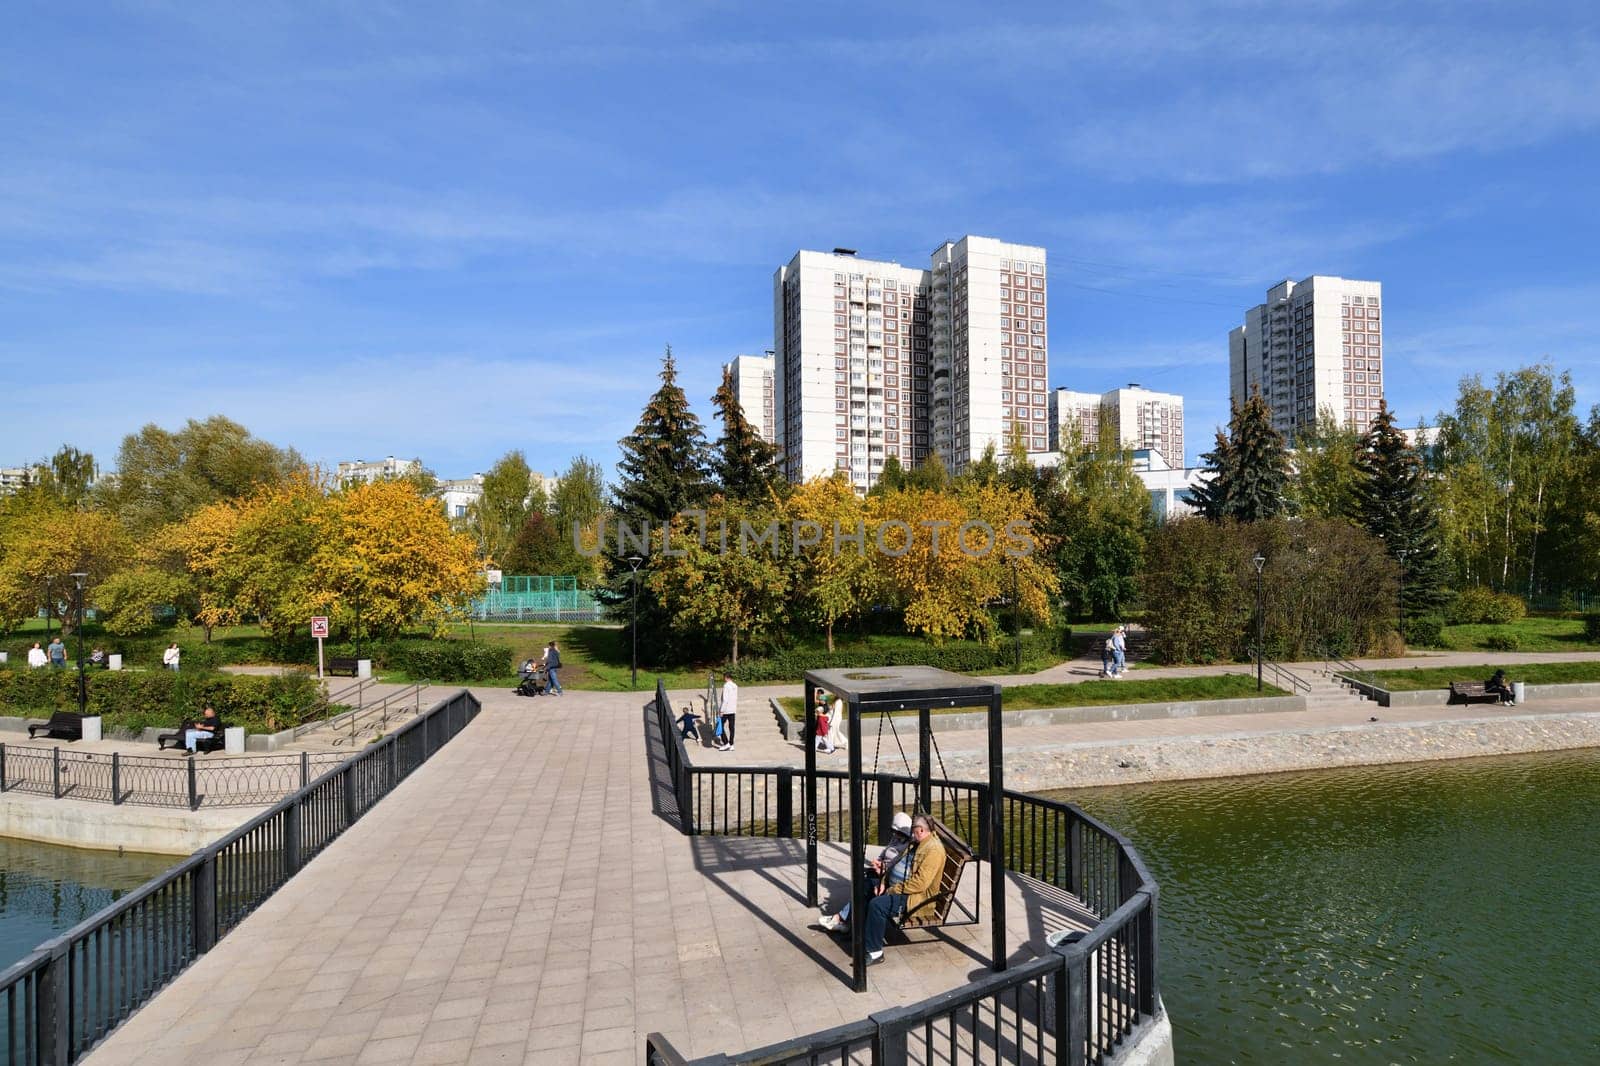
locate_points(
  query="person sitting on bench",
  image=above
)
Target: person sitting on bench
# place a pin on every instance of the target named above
(1499, 686)
(206, 728)
(921, 884)
(892, 866)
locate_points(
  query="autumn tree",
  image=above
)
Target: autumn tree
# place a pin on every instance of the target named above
(1328, 477)
(41, 544)
(385, 546)
(835, 577)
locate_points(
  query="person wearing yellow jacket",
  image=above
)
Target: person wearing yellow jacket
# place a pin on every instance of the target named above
(926, 857)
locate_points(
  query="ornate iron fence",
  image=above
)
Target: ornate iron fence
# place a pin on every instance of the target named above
(1075, 1005)
(156, 781)
(64, 998)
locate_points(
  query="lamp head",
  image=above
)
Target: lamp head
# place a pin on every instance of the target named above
(1259, 561)
(634, 561)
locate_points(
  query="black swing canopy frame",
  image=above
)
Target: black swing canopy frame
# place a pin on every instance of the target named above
(886, 690)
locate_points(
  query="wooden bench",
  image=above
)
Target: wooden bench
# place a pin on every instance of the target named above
(1471, 692)
(215, 742)
(935, 911)
(345, 667)
(63, 725)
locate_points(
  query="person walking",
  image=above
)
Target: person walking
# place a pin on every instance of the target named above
(170, 657)
(1119, 645)
(552, 663)
(1108, 655)
(58, 653)
(37, 657)
(728, 707)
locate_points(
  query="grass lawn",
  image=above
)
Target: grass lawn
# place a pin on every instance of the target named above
(1531, 673)
(1534, 633)
(1105, 693)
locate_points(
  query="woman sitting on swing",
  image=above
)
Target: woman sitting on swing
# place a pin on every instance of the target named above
(889, 868)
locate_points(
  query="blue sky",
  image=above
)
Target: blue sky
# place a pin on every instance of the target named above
(446, 230)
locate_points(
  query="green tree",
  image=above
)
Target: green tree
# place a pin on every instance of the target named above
(662, 471)
(1505, 457)
(497, 516)
(984, 470)
(163, 477)
(737, 592)
(892, 478)
(1249, 469)
(1396, 505)
(72, 475)
(1328, 476)
(930, 475)
(1097, 510)
(744, 465)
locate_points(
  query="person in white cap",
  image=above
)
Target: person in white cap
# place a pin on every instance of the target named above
(887, 867)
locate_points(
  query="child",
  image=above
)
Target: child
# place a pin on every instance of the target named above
(824, 741)
(686, 724)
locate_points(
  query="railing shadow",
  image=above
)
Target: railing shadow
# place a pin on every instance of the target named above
(663, 796)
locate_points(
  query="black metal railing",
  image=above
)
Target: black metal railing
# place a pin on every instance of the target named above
(65, 997)
(157, 781)
(1074, 1005)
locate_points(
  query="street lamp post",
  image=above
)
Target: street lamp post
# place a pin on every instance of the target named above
(1016, 619)
(49, 605)
(83, 690)
(1259, 561)
(1401, 603)
(633, 624)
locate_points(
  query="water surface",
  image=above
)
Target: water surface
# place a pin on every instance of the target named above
(46, 888)
(1443, 912)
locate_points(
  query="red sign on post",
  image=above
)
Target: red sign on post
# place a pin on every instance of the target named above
(319, 627)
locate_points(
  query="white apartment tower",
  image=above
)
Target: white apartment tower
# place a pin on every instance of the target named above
(1142, 418)
(874, 359)
(752, 383)
(1314, 344)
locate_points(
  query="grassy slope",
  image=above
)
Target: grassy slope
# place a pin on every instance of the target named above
(1106, 693)
(1441, 676)
(1535, 633)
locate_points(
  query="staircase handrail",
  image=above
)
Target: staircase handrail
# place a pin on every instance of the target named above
(1284, 677)
(353, 719)
(329, 700)
(1332, 660)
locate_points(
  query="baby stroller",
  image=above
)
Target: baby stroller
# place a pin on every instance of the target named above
(533, 680)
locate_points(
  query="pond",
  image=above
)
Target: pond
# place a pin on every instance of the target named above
(1424, 913)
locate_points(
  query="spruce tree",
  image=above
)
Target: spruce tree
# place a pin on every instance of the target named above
(663, 466)
(1250, 468)
(1396, 508)
(745, 465)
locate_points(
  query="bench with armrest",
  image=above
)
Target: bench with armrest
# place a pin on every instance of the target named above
(935, 911)
(342, 667)
(215, 742)
(1473, 692)
(63, 725)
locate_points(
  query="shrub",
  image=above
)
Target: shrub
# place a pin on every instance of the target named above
(1591, 628)
(133, 700)
(448, 660)
(1478, 606)
(1389, 645)
(1424, 631)
(1503, 641)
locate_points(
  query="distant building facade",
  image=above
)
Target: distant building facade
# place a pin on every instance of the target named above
(873, 359)
(390, 467)
(1315, 344)
(753, 384)
(15, 478)
(1140, 417)
(459, 494)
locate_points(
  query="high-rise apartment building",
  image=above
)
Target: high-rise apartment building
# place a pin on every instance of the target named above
(1141, 417)
(377, 470)
(1314, 345)
(874, 359)
(752, 383)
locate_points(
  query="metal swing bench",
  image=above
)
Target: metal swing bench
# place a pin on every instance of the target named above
(918, 689)
(934, 912)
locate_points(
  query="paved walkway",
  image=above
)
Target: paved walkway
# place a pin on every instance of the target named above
(517, 900)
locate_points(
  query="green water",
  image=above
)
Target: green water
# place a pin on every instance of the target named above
(45, 889)
(1433, 913)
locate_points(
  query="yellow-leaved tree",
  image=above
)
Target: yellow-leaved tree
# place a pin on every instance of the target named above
(386, 549)
(835, 575)
(42, 547)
